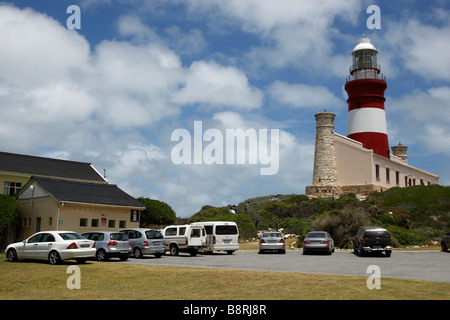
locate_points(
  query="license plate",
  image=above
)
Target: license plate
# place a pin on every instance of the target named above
(156, 243)
(227, 241)
(84, 246)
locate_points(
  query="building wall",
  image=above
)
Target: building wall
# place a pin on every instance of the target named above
(42, 213)
(353, 162)
(361, 171)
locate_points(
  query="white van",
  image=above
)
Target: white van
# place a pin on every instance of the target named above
(222, 236)
(184, 238)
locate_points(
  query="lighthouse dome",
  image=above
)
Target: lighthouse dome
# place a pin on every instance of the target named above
(364, 44)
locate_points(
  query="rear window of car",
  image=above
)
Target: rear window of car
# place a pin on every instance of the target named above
(71, 236)
(316, 235)
(118, 237)
(153, 234)
(223, 230)
(376, 234)
(271, 235)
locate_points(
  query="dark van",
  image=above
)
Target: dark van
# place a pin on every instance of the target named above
(372, 239)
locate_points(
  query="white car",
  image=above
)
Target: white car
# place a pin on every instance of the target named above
(53, 246)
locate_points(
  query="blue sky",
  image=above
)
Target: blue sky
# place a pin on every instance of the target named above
(113, 92)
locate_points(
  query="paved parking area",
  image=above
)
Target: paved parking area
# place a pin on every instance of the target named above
(420, 265)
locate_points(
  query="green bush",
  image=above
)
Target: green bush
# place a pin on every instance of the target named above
(405, 237)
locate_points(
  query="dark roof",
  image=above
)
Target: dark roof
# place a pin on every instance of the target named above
(47, 167)
(85, 192)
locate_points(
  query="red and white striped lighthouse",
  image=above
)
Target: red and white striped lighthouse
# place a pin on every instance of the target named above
(365, 88)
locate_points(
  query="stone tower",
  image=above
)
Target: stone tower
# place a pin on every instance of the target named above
(325, 182)
(400, 151)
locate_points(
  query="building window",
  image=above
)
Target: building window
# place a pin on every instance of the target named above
(11, 188)
(397, 178)
(94, 223)
(421, 182)
(83, 222)
(50, 221)
(388, 176)
(111, 223)
(377, 172)
(406, 181)
(122, 224)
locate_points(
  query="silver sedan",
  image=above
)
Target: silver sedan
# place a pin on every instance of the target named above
(272, 241)
(318, 241)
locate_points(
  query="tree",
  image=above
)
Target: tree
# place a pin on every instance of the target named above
(9, 207)
(156, 212)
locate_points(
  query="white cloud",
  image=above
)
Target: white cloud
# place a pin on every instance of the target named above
(300, 95)
(36, 49)
(424, 117)
(214, 85)
(419, 47)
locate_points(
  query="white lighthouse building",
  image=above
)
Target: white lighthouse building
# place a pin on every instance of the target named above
(361, 162)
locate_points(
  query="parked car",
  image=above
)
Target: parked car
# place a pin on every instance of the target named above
(184, 238)
(110, 244)
(445, 242)
(145, 242)
(372, 239)
(53, 246)
(318, 241)
(222, 236)
(272, 241)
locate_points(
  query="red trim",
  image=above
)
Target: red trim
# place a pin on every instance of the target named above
(376, 141)
(366, 93)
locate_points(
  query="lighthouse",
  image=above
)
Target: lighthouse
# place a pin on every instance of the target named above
(365, 89)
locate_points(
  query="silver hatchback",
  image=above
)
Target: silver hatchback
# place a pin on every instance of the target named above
(318, 241)
(145, 242)
(110, 244)
(272, 241)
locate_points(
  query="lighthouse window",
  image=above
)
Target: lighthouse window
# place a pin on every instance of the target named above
(377, 172)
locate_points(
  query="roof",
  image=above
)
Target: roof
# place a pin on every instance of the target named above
(364, 43)
(47, 167)
(85, 192)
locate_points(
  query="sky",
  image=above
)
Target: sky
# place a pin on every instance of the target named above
(145, 90)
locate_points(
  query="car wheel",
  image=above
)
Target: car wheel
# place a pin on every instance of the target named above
(388, 253)
(361, 252)
(101, 255)
(54, 258)
(173, 250)
(229, 252)
(123, 257)
(81, 260)
(11, 255)
(193, 253)
(137, 253)
(444, 247)
(158, 255)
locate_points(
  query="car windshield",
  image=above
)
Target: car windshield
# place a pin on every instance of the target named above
(153, 234)
(271, 235)
(316, 235)
(71, 236)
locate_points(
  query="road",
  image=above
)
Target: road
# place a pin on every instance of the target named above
(419, 265)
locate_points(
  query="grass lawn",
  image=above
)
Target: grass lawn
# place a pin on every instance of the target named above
(37, 280)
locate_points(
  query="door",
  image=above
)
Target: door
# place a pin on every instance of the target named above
(29, 247)
(45, 244)
(38, 224)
